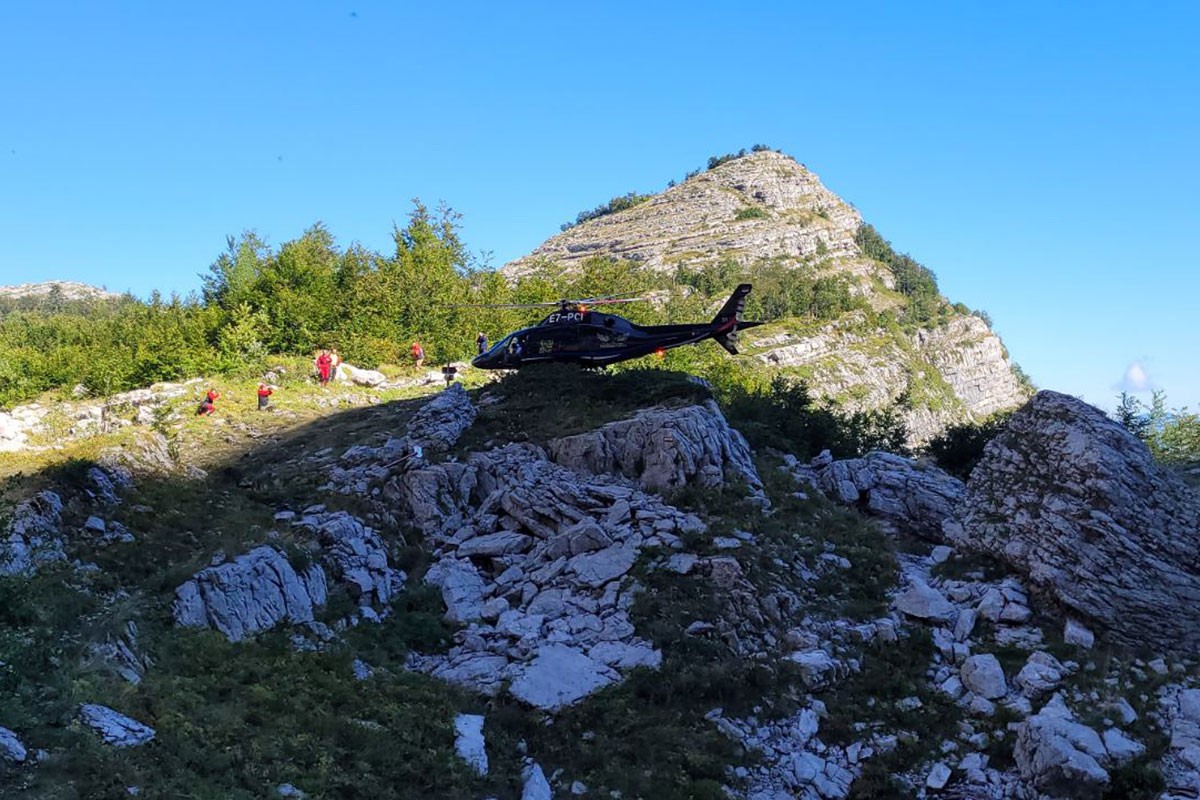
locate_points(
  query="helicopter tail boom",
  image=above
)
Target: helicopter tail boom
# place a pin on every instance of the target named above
(729, 319)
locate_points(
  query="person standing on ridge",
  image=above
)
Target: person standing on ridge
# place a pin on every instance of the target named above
(335, 363)
(264, 394)
(481, 343)
(418, 354)
(324, 366)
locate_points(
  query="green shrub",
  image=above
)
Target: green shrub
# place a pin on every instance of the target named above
(784, 416)
(959, 448)
(750, 212)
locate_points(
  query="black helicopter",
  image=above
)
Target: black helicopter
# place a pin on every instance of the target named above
(575, 333)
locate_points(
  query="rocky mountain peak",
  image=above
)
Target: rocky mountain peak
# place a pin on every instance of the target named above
(68, 290)
(761, 205)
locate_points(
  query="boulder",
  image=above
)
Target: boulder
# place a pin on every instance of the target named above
(11, 748)
(360, 377)
(254, 593)
(1070, 498)
(462, 588)
(663, 449)
(115, 728)
(1040, 676)
(598, 568)
(1059, 756)
(914, 497)
(983, 675)
(924, 602)
(535, 786)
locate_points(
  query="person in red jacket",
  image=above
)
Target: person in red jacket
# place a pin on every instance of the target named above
(324, 367)
(264, 394)
(418, 354)
(208, 404)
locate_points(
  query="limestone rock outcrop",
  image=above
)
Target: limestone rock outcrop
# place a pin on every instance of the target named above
(357, 557)
(535, 559)
(435, 427)
(253, 593)
(34, 535)
(438, 424)
(21, 425)
(908, 495)
(1070, 498)
(115, 728)
(663, 449)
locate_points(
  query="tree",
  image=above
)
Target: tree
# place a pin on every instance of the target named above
(232, 276)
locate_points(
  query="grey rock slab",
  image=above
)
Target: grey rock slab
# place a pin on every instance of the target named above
(1041, 675)
(560, 676)
(924, 602)
(938, 777)
(115, 728)
(462, 588)
(469, 742)
(495, 544)
(597, 569)
(626, 656)
(535, 786)
(1076, 633)
(1120, 747)
(663, 448)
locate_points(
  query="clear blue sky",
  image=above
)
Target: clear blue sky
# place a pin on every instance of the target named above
(1041, 158)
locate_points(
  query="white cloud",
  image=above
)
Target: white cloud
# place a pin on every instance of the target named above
(1135, 380)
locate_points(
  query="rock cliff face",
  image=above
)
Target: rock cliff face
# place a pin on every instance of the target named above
(953, 373)
(1069, 497)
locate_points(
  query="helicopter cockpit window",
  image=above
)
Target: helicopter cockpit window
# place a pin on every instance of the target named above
(501, 346)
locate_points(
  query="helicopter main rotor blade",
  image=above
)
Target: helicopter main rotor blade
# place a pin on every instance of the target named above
(502, 305)
(590, 301)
